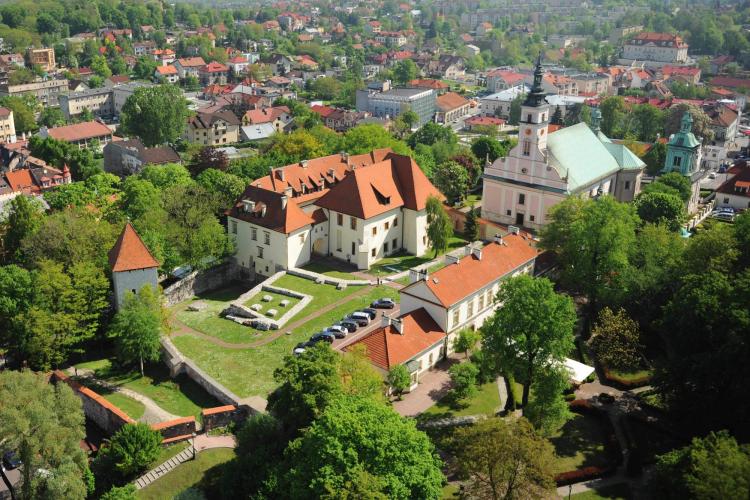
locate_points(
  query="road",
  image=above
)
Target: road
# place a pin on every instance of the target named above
(363, 331)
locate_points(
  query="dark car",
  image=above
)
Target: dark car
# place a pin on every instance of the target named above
(359, 321)
(11, 460)
(351, 326)
(323, 336)
(338, 331)
(371, 312)
(384, 303)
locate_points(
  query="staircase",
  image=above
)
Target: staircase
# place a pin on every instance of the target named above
(156, 473)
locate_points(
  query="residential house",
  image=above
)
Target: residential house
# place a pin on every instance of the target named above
(84, 134)
(249, 133)
(144, 48)
(498, 104)
(189, 66)
(451, 107)
(213, 72)
(502, 79)
(130, 156)
(356, 208)
(33, 177)
(164, 56)
(166, 74)
(655, 49)
(590, 84)
(475, 123)
(213, 129)
(686, 74)
(435, 307)
(279, 117)
(7, 126)
(46, 92)
(735, 192)
(44, 58)
(116, 80)
(342, 120)
(238, 65)
(544, 169)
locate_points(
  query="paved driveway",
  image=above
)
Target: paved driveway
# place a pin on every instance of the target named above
(433, 385)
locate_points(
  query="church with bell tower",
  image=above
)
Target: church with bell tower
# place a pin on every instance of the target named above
(543, 169)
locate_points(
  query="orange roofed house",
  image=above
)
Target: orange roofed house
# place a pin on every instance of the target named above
(132, 265)
(81, 134)
(357, 208)
(436, 306)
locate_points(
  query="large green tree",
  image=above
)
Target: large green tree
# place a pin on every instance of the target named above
(661, 208)
(615, 340)
(547, 409)
(533, 328)
(504, 460)
(25, 217)
(156, 114)
(44, 424)
(131, 449)
(711, 467)
(439, 225)
(452, 179)
(356, 435)
(136, 327)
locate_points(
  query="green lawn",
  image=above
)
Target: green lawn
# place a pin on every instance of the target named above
(192, 474)
(322, 267)
(275, 302)
(168, 452)
(580, 443)
(450, 490)
(134, 409)
(619, 491)
(249, 372)
(403, 261)
(485, 402)
(181, 396)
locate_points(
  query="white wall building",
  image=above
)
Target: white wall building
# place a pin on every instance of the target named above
(132, 265)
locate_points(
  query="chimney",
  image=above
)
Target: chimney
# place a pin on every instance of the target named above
(514, 230)
(417, 275)
(331, 173)
(345, 157)
(398, 325)
(263, 211)
(477, 252)
(248, 205)
(498, 239)
(385, 321)
(282, 174)
(284, 200)
(303, 163)
(467, 250)
(288, 192)
(451, 259)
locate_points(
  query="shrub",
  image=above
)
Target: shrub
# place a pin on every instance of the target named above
(399, 379)
(132, 449)
(464, 378)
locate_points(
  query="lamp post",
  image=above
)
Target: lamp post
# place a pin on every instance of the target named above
(193, 437)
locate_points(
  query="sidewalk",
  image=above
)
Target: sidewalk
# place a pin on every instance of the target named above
(433, 385)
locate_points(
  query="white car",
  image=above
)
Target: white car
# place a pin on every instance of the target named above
(338, 331)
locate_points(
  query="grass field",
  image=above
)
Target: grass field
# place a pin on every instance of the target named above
(580, 443)
(181, 396)
(191, 474)
(485, 402)
(275, 302)
(134, 409)
(321, 267)
(249, 372)
(619, 491)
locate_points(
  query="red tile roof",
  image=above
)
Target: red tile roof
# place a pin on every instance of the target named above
(732, 83)
(323, 111)
(450, 101)
(429, 83)
(191, 62)
(21, 180)
(166, 70)
(214, 67)
(484, 120)
(454, 282)
(386, 347)
(130, 253)
(739, 185)
(265, 115)
(80, 131)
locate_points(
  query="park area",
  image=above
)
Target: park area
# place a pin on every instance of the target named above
(193, 479)
(243, 359)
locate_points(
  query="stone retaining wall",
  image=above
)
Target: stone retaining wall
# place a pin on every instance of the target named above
(180, 427)
(177, 364)
(222, 416)
(238, 307)
(106, 415)
(202, 281)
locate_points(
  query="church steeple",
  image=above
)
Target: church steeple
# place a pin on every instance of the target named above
(535, 98)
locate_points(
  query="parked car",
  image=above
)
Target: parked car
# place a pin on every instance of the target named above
(384, 303)
(362, 319)
(11, 460)
(725, 216)
(372, 313)
(323, 337)
(338, 331)
(351, 326)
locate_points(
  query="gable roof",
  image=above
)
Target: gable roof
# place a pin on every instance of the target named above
(79, 131)
(386, 347)
(450, 101)
(454, 282)
(271, 210)
(191, 62)
(206, 120)
(130, 253)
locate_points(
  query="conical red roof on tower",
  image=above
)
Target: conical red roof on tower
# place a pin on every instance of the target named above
(130, 253)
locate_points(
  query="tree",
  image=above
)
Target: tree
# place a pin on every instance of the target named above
(615, 340)
(532, 329)
(356, 435)
(364, 138)
(463, 380)
(471, 225)
(742, 236)
(225, 186)
(452, 179)
(156, 114)
(655, 158)
(326, 88)
(307, 385)
(136, 327)
(514, 114)
(547, 409)
(466, 340)
(405, 71)
(208, 157)
(144, 68)
(25, 217)
(51, 117)
(23, 113)
(399, 380)
(126, 492)
(613, 113)
(132, 448)
(299, 145)
(20, 76)
(591, 239)
(100, 67)
(166, 176)
(439, 225)
(432, 133)
(701, 121)
(488, 149)
(661, 208)
(504, 459)
(16, 294)
(679, 184)
(711, 467)
(44, 424)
